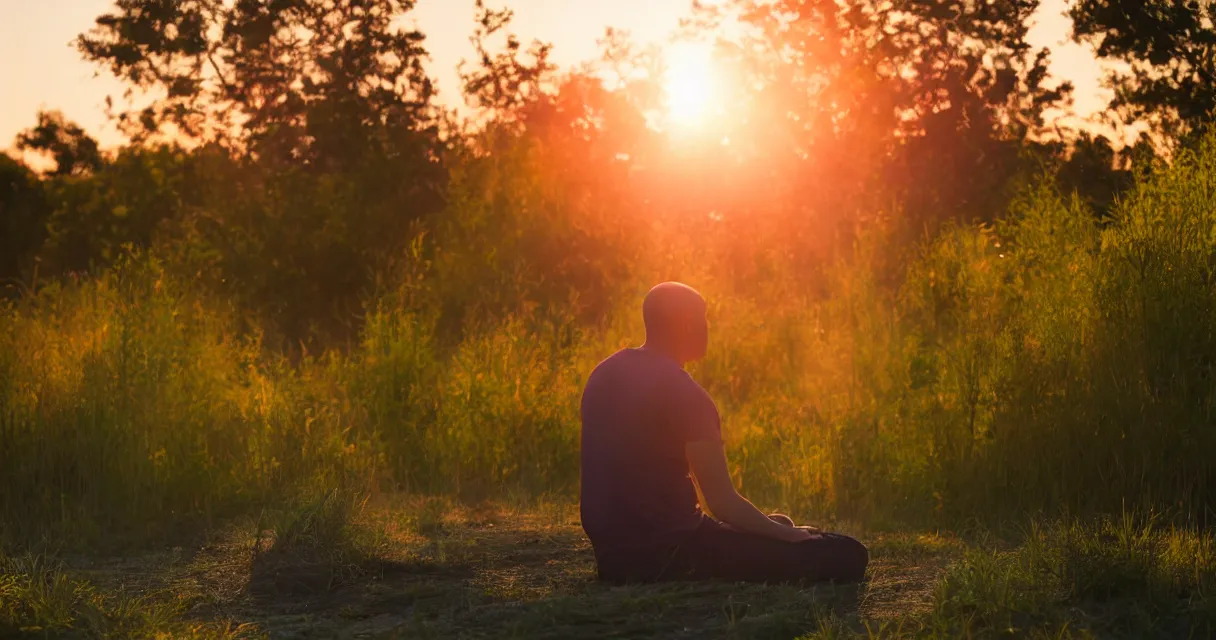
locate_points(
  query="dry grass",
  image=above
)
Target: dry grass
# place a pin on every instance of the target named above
(452, 571)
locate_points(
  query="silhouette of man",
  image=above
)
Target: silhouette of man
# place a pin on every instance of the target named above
(649, 430)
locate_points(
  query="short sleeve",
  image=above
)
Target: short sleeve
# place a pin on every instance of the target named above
(693, 413)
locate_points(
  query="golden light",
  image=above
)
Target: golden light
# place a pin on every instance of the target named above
(689, 82)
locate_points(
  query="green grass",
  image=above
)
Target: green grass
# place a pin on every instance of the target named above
(314, 547)
(1113, 579)
(38, 599)
(494, 571)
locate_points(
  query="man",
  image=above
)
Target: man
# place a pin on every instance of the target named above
(647, 425)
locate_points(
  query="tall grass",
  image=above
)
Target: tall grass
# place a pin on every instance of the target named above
(1047, 363)
(1125, 577)
(128, 402)
(1120, 576)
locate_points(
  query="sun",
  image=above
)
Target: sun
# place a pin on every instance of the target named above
(689, 82)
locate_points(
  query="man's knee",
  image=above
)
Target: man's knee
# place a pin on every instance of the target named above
(855, 557)
(839, 558)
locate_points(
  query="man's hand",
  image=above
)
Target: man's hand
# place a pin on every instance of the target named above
(707, 461)
(785, 520)
(800, 534)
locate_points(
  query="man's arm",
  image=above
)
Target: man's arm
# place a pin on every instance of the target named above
(707, 460)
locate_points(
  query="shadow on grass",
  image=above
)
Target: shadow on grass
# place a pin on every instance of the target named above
(451, 571)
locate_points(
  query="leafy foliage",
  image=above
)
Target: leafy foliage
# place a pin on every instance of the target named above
(330, 109)
(73, 150)
(303, 80)
(1169, 75)
(23, 218)
(927, 103)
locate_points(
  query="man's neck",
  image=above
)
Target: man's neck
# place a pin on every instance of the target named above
(670, 354)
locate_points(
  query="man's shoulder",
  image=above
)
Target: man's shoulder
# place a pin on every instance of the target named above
(692, 390)
(632, 362)
(634, 368)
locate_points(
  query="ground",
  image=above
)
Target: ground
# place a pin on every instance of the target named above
(433, 568)
(493, 572)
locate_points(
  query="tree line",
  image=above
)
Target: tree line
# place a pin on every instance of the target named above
(295, 159)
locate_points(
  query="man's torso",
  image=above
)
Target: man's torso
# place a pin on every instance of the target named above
(639, 409)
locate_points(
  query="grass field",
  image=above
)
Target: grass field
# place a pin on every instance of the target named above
(1018, 422)
(415, 568)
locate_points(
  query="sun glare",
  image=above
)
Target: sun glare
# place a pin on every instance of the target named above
(689, 82)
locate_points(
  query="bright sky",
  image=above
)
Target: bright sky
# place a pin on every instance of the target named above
(40, 69)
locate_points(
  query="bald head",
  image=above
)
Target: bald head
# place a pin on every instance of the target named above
(674, 314)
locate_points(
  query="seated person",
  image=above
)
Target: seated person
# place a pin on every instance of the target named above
(646, 426)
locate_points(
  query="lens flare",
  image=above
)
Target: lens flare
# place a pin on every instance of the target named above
(689, 82)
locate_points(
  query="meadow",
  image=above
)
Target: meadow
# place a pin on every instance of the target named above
(1019, 421)
(302, 356)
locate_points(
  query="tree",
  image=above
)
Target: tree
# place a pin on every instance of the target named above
(502, 82)
(540, 217)
(1168, 48)
(124, 203)
(73, 150)
(1096, 172)
(860, 106)
(23, 216)
(327, 113)
(306, 81)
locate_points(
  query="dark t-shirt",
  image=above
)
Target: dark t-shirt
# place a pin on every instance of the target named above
(639, 409)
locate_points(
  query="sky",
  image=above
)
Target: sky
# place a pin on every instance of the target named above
(40, 69)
